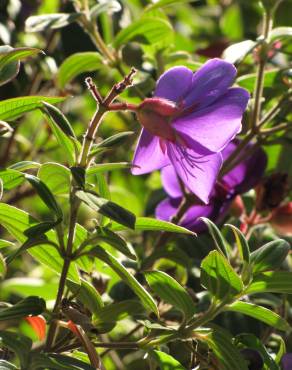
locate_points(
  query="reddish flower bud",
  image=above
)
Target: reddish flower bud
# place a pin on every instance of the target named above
(155, 115)
(281, 219)
(237, 208)
(38, 324)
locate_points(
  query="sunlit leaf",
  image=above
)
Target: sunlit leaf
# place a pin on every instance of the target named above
(10, 109)
(169, 290)
(76, 64)
(37, 23)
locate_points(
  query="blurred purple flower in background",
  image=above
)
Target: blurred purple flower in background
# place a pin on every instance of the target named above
(189, 122)
(286, 361)
(240, 179)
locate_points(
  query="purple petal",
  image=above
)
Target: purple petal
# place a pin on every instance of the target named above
(174, 83)
(216, 211)
(247, 174)
(286, 361)
(215, 126)
(167, 208)
(148, 156)
(170, 182)
(210, 82)
(197, 169)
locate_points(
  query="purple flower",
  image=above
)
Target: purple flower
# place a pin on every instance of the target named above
(239, 180)
(189, 122)
(286, 361)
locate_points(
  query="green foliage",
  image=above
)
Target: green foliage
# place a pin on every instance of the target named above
(80, 243)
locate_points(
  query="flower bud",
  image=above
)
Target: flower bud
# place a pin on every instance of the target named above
(272, 191)
(155, 115)
(237, 208)
(281, 219)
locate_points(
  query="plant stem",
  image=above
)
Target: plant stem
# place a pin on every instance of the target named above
(259, 84)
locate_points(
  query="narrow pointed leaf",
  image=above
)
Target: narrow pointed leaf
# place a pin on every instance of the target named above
(260, 313)
(218, 277)
(146, 299)
(169, 290)
(218, 238)
(4, 365)
(241, 243)
(11, 178)
(37, 23)
(108, 208)
(58, 362)
(86, 294)
(116, 241)
(19, 344)
(165, 361)
(56, 177)
(270, 256)
(59, 118)
(28, 306)
(220, 341)
(104, 167)
(113, 140)
(45, 194)
(76, 64)
(10, 109)
(273, 282)
(16, 221)
(148, 223)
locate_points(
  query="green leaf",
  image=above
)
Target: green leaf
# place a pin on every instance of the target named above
(15, 54)
(37, 23)
(129, 279)
(28, 306)
(11, 178)
(116, 241)
(45, 194)
(56, 177)
(86, 294)
(237, 52)
(148, 223)
(259, 313)
(146, 30)
(42, 361)
(76, 64)
(113, 140)
(59, 118)
(108, 208)
(280, 33)
(5, 128)
(164, 3)
(270, 256)
(218, 277)
(5, 243)
(67, 143)
(241, 243)
(39, 239)
(220, 341)
(165, 361)
(273, 282)
(10, 109)
(19, 344)
(109, 6)
(281, 351)
(16, 222)
(231, 22)
(104, 167)
(2, 267)
(218, 238)
(169, 290)
(105, 319)
(4, 365)
(248, 81)
(251, 341)
(9, 61)
(24, 165)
